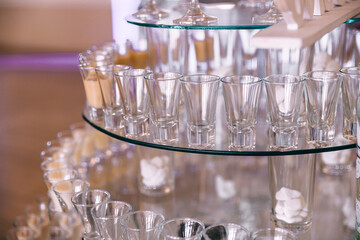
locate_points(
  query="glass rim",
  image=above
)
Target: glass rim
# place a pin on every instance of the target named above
(112, 68)
(46, 162)
(127, 215)
(239, 81)
(215, 78)
(227, 224)
(69, 180)
(183, 219)
(86, 191)
(70, 170)
(132, 72)
(94, 209)
(267, 78)
(344, 70)
(276, 229)
(306, 76)
(179, 75)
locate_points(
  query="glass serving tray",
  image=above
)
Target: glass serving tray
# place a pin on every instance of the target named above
(230, 17)
(221, 135)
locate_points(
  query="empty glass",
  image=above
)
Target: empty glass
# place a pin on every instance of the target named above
(182, 228)
(350, 94)
(107, 218)
(141, 225)
(270, 17)
(195, 16)
(20, 233)
(226, 231)
(322, 90)
(200, 95)
(111, 94)
(150, 11)
(164, 89)
(135, 102)
(64, 190)
(272, 234)
(241, 94)
(84, 202)
(284, 94)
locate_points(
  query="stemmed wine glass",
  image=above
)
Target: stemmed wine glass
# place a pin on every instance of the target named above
(150, 11)
(194, 16)
(270, 17)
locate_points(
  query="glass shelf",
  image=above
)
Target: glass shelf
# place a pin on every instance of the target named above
(230, 17)
(221, 136)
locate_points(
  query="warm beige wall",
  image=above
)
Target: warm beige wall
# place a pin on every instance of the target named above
(53, 26)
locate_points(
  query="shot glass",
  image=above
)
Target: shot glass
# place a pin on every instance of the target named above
(182, 228)
(33, 221)
(50, 165)
(226, 231)
(84, 202)
(64, 190)
(134, 97)
(241, 94)
(200, 95)
(111, 94)
(20, 233)
(350, 94)
(92, 91)
(337, 162)
(322, 90)
(292, 181)
(164, 89)
(54, 153)
(273, 234)
(141, 225)
(284, 94)
(107, 218)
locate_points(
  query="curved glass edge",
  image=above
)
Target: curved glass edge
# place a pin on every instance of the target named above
(220, 152)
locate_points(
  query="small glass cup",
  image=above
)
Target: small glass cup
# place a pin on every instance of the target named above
(226, 231)
(195, 16)
(322, 90)
(337, 162)
(141, 225)
(272, 234)
(241, 94)
(292, 180)
(56, 233)
(200, 95)
(111, 94)
(182, 229)
(284, 94)
(107, 218)
(31, 220)
(20, 233)
(53, 153)
(350, 94)
(135, 102)
(164, 95)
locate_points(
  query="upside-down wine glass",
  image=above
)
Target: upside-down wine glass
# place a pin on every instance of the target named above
(150, 11)
(195, 16)
(270, 17)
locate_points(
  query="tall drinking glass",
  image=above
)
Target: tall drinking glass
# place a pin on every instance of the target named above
(111, 94)
(182, 229)
(322, 90)
(284, 94)
(135, 102)
(164, 89)
(350, 94)
(241, 95)
(200, 95)
(226, 231)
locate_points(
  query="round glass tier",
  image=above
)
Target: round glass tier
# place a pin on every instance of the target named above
(222, 142)
(230, 17)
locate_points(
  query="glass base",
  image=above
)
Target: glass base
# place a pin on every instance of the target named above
(136, 129)
(113, 120)
(270, 17)
(349, 130)
(194, 16)
(294, 227)
(284, 139)
(201, 137)
(95, 114)
(166, 134)
(149, 12)
(242, 140)
(320, 137)
(335, 169)
(156, 192)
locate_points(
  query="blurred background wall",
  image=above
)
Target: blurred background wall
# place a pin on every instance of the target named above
(53, 25)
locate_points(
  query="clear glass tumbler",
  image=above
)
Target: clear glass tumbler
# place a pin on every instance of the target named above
(292, 181)
(226, 231)
(241, 95)
(182, 229)
(200, 95)
(134, 96)
(164, 95)
(322, 91)
(273, 234)
(350, 95)
(284, 94)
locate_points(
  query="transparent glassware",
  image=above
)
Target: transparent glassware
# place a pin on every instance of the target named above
(200, 95)
(270, 17)
(284, 94)
(56, 233)
(273, 234)
(241, 94)
(195, 16)
(51, 164)
(164, 96)
(84, 202)
(150, 11)
(322, 91)
(38, 210)
(226, 231)
(53, 153)
(64, 190)
(107, 218)
(20, 233)
(32, 221)
(182, 229)
(141, 225)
